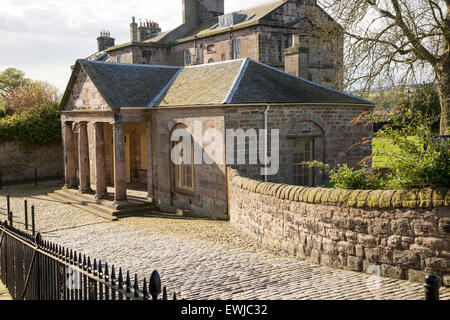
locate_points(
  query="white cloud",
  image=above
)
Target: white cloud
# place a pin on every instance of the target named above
(44, 38)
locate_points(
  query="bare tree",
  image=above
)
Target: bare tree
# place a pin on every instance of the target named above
(396, 41)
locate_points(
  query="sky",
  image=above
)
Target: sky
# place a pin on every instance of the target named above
(43, 38)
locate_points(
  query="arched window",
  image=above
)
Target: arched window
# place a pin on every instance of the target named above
(211, 60)
(182, 158)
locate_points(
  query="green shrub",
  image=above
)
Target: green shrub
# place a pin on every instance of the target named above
(37, 125)
(345, 177)
(418, 158)
(413, 156)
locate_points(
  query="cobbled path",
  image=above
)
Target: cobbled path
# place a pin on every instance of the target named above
(199, 259)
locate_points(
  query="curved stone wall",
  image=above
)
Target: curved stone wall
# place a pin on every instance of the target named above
(402, 234)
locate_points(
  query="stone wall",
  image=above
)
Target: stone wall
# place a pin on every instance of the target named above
(403, 234)
(17, 162)
(336, 138)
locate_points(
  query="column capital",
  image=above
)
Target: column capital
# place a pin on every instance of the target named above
(117, 125)
(82, 124)
(98, 124)
(68, 123)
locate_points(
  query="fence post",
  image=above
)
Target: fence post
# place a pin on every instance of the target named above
(35, 177)
(10, 218)
(33, 229)
(432, 285)
(25, 203)
(8, 207)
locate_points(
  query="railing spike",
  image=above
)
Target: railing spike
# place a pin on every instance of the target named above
(174, 296)
(145, 294)
(164, 297)
(106, 272)
(80, 260)
(89, 267)
(136, 286)
(100, 271)
(67, 255)
(128, 282)
(75, 258)
(120, 279)
(155, 285)
(84, 262)
(113, 275)
(95, 266)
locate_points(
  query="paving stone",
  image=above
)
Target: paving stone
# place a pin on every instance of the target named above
(199, 259)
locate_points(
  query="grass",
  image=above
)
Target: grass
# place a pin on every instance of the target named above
(381, 146)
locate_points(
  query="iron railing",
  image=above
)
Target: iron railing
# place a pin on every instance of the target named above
(34, 269)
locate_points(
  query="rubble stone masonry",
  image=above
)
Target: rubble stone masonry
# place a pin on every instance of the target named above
(402, 234)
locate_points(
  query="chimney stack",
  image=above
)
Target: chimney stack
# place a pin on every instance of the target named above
(104, 41)
(296, 57)
(133, 30)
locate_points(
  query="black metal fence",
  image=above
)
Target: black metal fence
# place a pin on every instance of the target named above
(35, 269)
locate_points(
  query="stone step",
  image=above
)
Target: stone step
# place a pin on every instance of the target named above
(133, 201)
(83, 206)
(103, 208)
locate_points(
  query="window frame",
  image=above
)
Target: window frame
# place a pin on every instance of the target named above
(179, 172)
(299, 172)
(236, 54)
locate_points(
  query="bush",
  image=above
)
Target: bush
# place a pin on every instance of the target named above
(413, 157)
(33, 94)
(418, 158)
(345, 177)
(39, 124)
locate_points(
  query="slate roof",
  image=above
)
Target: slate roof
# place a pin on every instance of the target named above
(241, 81)
(253, 16)
(125, 85)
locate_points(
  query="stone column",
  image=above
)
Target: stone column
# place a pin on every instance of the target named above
(150, 194)
(100, 161)
(83, 158)
(70, 173)
(120, 174)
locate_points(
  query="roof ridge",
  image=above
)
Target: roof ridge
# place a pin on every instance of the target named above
(164, 89)
(314, 83)
(237, 81)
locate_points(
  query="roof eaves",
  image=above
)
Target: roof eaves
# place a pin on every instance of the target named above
(316, 84)
(236, 82)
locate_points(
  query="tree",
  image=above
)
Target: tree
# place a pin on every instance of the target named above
(11, 79)
(392, 41)
(35, 93)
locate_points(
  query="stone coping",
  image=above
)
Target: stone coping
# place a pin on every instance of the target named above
(414, 198)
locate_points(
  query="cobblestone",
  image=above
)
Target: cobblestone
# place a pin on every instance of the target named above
(199, 259)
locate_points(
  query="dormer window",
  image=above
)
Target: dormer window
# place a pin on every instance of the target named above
(230, 19)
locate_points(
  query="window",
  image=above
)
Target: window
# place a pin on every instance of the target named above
(211, 61)
(223, 57)
(210, 48)
(236, 48)
(303, 151)
(119, 59)
(187, 57)
(183, 174)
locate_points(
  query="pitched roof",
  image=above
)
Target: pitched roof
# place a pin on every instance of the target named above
(203, 84)
(253, 16)
(241, 81)
(125, 85)
(263, 83)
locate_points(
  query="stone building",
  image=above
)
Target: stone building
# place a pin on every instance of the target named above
(296, 36)
(118, 121)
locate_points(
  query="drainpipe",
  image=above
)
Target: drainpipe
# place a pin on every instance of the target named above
(265, 141)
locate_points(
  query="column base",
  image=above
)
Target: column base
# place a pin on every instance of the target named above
(85, 191)
(68, 186)
(120, 203)
(100, 196)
